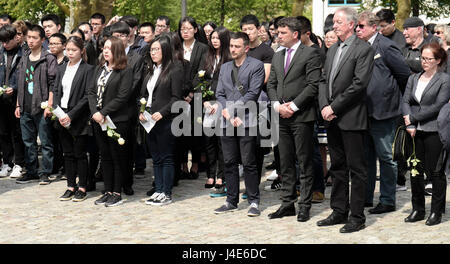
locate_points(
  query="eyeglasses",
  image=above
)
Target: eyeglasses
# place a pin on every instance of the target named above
(154, 50)
(425, 59)
(361, 26)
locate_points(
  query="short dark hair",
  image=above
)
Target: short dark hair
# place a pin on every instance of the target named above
(292, 23)
(147, 24)
(240, 35)
(85, 23)
(60, 36)
(305, 24)
(275, 21)
(130, 20)
(250, 20)
(165, 18)
(51, 17)
(37, 28)
(6, 16)
(120, 27)
(385, 15)
(79, 31)
(99, 16)
(7, 32)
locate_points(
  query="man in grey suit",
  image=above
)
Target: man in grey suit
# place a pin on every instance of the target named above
(389, 77)
(342, 101)
(293, 87)
(240, 82)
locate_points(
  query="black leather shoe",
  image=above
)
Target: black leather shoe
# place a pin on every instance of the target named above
(151, 192)
(434, 219)
(351, 227)
(368, 204)
(382, 208)
(415, 216)
(303, 215)
(128, 190)
(282, 212)
(193, 175)
(333, 219)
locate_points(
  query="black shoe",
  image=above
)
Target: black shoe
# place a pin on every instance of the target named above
(128, 190)
(415, 216)
(79, 196)
(114, 200)
(184, 175)
(44, 180)
(303, 215)
(351, 227)
(382, 208)
(193, 175)
(368, 204)
(68, 195)
(434, 219)
(209, 186)
(282, 212)
(26, 178)
(91, 186)
(103, 199)
(271, 166)
(333, 219)
(151, 192)
(139, 172)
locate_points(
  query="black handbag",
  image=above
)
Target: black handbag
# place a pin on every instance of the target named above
(402, 148)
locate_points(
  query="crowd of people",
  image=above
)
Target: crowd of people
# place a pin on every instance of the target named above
(96, 103)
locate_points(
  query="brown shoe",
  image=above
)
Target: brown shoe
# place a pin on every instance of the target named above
(318, 197)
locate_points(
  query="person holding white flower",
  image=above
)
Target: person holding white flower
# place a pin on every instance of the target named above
(162, 87)
(108, 96)
(426, 93)
(70, 94)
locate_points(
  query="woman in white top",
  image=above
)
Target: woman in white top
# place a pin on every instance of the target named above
(426, 93)
(73, 127)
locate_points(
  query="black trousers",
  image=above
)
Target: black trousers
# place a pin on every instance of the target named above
(11, 143)
(113, 157)
(75, 157)
(347, 158)
(236, 148)
(215, 157)
(296, 142)
(428, 151)
(132, 144)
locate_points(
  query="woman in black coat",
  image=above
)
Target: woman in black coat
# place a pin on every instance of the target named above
(108, 97)
(70, 94)
(426, 93)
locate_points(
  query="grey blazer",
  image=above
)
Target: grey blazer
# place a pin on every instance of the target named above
(251, 77)
(434, 97)
(300, 84)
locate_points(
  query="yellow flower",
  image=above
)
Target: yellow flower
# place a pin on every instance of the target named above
(201, 74)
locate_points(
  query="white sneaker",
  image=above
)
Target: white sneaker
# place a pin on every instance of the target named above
(401, 188)
(152, 198)
(5, 169)
(272, 176)
(241, 170)
(16, 171)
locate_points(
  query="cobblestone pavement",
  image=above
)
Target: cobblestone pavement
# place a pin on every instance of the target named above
(30, 213)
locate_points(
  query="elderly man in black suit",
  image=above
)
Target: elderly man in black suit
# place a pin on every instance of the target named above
(389, 77)
(342, 101)
(293, 87)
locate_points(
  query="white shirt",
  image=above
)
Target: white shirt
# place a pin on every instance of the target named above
(67, 81)
(421, 85)
(188, 51)
(372, 39)
(152, 82)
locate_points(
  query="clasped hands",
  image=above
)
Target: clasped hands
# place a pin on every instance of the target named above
(328, 113)
(236, 121)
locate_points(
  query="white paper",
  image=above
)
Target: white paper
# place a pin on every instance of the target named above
(150, 123)
(108, 123)
(210, 119)
(58, 112)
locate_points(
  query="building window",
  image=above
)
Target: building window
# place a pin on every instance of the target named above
(344, 2)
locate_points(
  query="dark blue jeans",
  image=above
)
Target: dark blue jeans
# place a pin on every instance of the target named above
(32, 126)
(379, 145)
(162, 149)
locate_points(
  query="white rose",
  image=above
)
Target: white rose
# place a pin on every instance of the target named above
(143, 101)
(199, 120)
(201, 74)
(121, 141)
(44, 105)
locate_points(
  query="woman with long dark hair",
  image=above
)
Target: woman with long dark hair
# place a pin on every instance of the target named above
(161, 88)
(108, 97)
(426, 93)
(218, 54)
(70, 95)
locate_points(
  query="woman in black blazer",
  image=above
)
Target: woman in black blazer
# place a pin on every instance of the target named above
(70, 94)
(195, 50)
(426, 93)
(108, 96)
(218, 54)
(162, 87)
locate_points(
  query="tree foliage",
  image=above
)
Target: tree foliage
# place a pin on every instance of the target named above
(429, 8)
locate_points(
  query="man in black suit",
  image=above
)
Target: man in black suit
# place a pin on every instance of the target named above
(293, 87)
(342, 94)
(389, 77)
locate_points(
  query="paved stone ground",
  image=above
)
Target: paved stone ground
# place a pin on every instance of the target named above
(33, 214)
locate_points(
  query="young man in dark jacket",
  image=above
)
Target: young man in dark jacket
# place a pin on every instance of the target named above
(36, 75)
